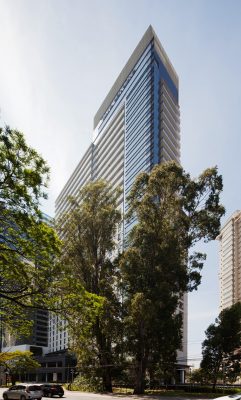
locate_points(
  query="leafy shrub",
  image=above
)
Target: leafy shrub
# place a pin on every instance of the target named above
(90, 384)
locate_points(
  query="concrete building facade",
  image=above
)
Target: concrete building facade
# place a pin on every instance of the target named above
(230, 261)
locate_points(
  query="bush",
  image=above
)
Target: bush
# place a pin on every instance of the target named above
(90, 384)
(209, 389)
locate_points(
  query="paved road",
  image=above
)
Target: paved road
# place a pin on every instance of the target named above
(93, 396)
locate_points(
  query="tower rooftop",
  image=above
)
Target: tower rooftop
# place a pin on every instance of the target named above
(148, 36)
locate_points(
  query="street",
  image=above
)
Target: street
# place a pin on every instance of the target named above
(94, 396)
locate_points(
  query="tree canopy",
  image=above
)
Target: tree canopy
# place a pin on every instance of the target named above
(28, 245)
(172, 213)
(88, 231)
(221, 348)
(23, 175)
(18, 363)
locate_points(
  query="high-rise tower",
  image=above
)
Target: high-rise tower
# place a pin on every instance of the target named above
(136, 127)
(230, 261)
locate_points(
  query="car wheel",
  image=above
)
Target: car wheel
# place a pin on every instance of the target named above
(5, 396)
(22, 398)
(60, 395)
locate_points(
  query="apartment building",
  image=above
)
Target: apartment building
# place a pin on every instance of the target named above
(230, 261)
(136, 127)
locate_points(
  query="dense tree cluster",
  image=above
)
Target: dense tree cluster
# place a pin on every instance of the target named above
(221, 348)
(28, 245)
(88, 232)
(138, 328)
(173, 212)
(121, 307)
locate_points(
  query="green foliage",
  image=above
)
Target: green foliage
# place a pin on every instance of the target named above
(198, 376)
(221, 354)
(18, 362)
(7, 356)
(28, 245)
(23, 174)
(90, 384)
(173, 212)
(21, 363)
(88, 232)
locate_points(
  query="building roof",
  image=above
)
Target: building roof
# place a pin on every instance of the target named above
(235, 215)
(146, 39)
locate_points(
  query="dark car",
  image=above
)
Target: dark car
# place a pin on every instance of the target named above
(52, 390)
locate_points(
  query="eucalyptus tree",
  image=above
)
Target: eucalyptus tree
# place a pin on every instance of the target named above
(88, 232)
(173, 212)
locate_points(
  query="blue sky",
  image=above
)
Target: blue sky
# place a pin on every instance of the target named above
(59, 59)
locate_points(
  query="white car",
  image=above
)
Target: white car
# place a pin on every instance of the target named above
(23, 392)
(230, 397)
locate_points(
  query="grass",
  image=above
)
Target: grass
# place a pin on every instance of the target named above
(170, 393)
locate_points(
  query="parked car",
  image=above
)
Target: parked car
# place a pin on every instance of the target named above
(23, 392)
(236, 396)
(52, 390)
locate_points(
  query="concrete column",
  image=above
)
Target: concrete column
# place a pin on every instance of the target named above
(182, 376)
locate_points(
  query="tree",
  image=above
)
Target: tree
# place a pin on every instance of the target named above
(172, 213)
(220, 349)
(28, 245)
(198, 376)
(88, 231)
(18, 363)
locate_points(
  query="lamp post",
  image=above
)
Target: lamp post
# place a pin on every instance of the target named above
(72, 375)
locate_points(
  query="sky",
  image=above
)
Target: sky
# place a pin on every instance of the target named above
(59, 58)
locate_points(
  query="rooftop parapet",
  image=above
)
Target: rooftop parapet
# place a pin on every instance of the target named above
(146, 39)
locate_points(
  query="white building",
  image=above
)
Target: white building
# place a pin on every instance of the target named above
(230, 261)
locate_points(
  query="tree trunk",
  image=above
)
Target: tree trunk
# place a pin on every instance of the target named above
(151, 377)
(107, 380)
(141, 362)
(214, 385)
(139, 387)
(13, 379)
(215, 377)
(105, 358)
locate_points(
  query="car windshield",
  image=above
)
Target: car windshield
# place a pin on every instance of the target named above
(34, 388)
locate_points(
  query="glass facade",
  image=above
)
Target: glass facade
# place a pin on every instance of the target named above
(149, 97)
(136, 127)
